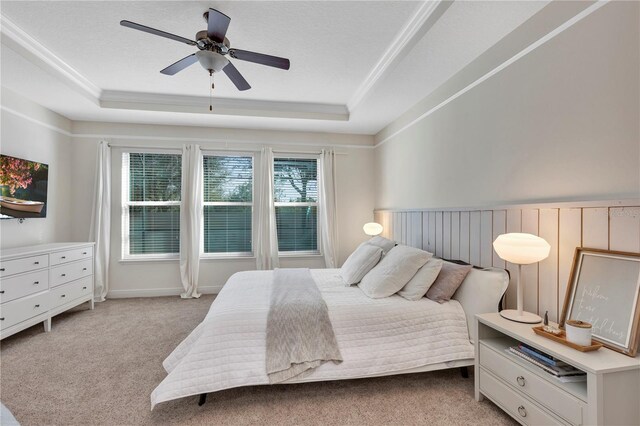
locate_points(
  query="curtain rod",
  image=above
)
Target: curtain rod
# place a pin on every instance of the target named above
(277, 151)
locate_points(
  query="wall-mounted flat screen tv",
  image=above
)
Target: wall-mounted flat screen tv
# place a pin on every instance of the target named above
(23, 188)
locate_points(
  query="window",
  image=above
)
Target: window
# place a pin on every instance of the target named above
(228, 204)
(296, 203)
(151, 204)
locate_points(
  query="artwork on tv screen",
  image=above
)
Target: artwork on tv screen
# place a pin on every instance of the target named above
(23, 188)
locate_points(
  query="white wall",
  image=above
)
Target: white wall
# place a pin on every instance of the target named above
(559, 124)
(23, 138)
(355, 195)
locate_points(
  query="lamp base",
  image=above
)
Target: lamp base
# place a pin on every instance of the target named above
(526, 317)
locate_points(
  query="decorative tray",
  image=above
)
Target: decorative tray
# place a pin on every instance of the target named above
(562, 338)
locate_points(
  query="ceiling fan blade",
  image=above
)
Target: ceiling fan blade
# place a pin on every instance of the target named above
(260, 58)
(234, 75)
(160, 33)
(217, 25)
(180, 65)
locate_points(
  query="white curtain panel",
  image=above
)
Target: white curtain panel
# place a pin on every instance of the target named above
(328, 208)
(190, 219)
(267, 233)
(100, 232)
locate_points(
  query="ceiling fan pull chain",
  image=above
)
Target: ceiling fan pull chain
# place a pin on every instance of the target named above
(210, 90)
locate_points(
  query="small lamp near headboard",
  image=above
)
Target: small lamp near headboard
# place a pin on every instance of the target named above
(521, 249)
(372, 229)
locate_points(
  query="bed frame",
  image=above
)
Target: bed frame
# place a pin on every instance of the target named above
(479, 293)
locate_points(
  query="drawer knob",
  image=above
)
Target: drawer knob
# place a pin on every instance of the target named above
(522, 411)
(520, 380)
(84, 288)
(1, 291)
(84, 269)
(84, 252)
(1, 269)
(36, 263)
(2, 319)
(63, 257)
(37, 306)
(36, 282)
(64, 275)
(63, 295)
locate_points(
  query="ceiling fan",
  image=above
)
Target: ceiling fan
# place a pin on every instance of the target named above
(213, 48)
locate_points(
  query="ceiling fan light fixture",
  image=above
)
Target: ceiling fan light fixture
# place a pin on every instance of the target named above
(211, 60)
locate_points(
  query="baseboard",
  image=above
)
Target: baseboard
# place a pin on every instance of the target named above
(157, 292)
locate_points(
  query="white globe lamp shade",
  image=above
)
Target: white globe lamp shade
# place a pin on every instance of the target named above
(521, 249)
(372, 228)
(211, 60)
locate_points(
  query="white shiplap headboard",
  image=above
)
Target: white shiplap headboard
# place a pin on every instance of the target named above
(468, 234)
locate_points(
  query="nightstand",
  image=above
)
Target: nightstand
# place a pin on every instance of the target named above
(610, 395)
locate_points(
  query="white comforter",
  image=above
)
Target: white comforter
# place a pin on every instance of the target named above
(375, 336)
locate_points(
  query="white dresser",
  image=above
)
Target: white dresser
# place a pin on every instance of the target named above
(609, 396)
(39, 282)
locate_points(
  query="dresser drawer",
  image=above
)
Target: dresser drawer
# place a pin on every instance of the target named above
(69, 292)
(66, 256)
(23, 285)
(558, 400)
(520, 407)
(25, 264)
(70, 272)
(22, 309)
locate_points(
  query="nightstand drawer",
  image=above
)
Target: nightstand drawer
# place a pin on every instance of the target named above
(549, 395)
(516, 404)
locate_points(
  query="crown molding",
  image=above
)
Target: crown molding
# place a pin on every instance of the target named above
(222, 106)
(530, 48)
(14, 37)
(421, 22)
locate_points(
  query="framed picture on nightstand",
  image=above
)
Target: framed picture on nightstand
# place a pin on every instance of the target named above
(604, 290)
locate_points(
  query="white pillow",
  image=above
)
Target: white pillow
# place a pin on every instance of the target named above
(480, 293)
(394, 271)
(359, 263)
(383, 243)
(418, 286)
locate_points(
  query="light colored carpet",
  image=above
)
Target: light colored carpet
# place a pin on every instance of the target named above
(99, 367)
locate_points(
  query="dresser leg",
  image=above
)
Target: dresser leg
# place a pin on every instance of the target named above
(47, 325)
(91, 304)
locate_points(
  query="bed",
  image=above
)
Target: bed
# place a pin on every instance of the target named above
(377, 337)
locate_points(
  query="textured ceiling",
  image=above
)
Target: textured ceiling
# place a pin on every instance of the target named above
(333, 46)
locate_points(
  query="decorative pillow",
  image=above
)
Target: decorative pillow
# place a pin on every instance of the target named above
(393, 272)
(448, 281)
(418, 286)
(359, 263)
(383, 243)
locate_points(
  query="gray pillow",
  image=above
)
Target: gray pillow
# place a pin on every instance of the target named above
(393, 272)
(359, 263)
(383, 243)
(418, 286)
(448, 281)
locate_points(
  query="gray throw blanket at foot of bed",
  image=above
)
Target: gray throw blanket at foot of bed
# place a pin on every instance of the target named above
(299, 332)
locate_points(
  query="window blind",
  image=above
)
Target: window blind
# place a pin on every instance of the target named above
(228, 204)
(296, 203)
(152, 203)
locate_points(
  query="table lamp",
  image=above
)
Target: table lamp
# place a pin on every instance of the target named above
(521, 249)
(372, 229)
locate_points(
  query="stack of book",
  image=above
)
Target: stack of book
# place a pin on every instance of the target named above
(558, 369)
